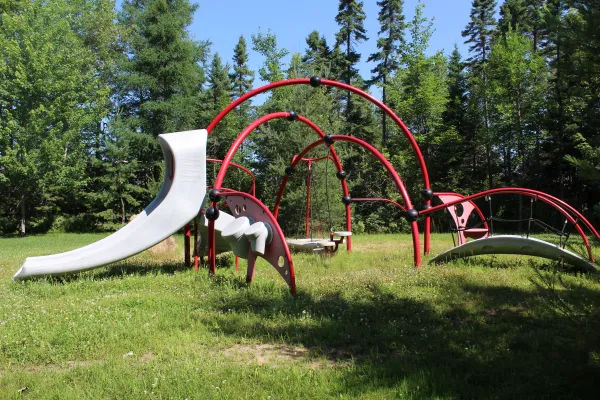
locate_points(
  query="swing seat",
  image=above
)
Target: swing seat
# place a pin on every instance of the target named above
(310, 245)
(342, 233)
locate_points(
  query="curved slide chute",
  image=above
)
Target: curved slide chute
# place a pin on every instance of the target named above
(178, 202)
(511, 244)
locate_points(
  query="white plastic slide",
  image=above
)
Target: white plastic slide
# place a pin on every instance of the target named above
(510, 244)
(178, 202)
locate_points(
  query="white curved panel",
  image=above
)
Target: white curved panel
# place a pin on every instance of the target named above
(179, 201)
(510, 244)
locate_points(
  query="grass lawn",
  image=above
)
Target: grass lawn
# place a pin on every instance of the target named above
(363, 325)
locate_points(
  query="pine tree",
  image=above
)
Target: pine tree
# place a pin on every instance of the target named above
(479, 33)
(219, 89)
(241, 77)
(350, 18)
(160, 80)
(163, 73)
(419, 92)
(317, 55)
(525, 16)
(456, 119)
(389, 43)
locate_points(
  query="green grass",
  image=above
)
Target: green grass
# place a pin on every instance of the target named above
(363, 325)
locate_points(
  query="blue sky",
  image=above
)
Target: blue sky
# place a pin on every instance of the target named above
(222, 22)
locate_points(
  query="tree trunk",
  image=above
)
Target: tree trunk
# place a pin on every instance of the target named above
(383, 114)
(22, 224)
(122, 212)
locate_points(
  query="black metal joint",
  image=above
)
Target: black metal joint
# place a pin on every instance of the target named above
(427, 194)
(412, 215)
(315, 81)
(347, 200)
(292, 116)
(214, 195)
(341, 175)
(212, 213)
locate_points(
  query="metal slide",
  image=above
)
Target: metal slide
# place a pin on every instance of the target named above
(178, 202)
(510, 244)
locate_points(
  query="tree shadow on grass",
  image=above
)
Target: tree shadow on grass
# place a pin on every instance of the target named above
(487, 342)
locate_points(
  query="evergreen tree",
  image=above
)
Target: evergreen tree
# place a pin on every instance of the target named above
(350, 18)
(525, 16)
(219, 89)
(518, 86)
(479, 34)
(50, 96)
(317, 55)
(241, 82)
(419, 92)
(241, 77)
(160, 80)
(456, 118)
(389, 43)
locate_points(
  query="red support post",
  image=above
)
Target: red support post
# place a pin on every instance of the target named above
(196, 244)
(186, 245)
(307, 211)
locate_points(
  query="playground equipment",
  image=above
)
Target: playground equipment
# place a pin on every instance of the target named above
(175, 205)
(309, 243)
(251, 230)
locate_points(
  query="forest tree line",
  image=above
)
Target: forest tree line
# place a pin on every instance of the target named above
(85, 88)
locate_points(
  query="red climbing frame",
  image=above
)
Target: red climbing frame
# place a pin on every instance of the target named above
(555, 202)
(388, 166)
(316, 82)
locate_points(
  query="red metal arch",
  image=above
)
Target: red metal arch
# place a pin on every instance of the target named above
(388, 166)
(250, 128)
(241, 168)
(558, 204)
(365, 95)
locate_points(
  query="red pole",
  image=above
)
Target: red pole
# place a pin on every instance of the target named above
(186, 245)
(307, 213)
(196, 245)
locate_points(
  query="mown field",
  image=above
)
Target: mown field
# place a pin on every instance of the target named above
(363, 325)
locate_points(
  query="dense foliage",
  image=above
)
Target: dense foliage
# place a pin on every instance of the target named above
(85, 88)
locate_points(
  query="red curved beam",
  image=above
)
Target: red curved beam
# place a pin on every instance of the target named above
(546, 198)
(249, 129)
(241, 168)
(352, 89)
(368, 199)
(477, 209)
(388, 166)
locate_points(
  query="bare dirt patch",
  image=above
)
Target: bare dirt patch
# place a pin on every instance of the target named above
(277, 355)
